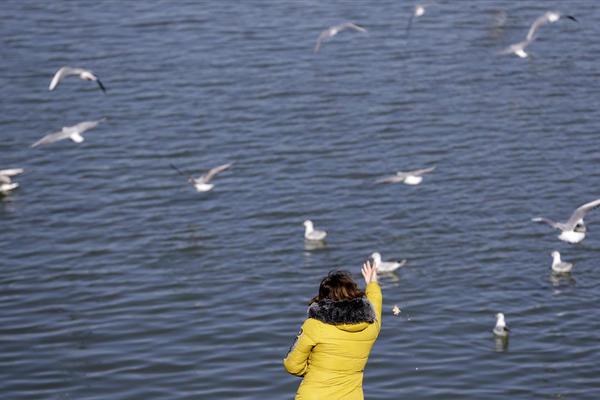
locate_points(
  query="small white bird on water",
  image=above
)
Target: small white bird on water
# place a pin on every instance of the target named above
(201, 184)
(334, 30)
(572, 231)
(417, 12)
(410, 177)
(386, 266)
(500, 329)
(72, 132)
(6, 184)
(82, 73)
(559, 266)
(519, 48)
(310, 233)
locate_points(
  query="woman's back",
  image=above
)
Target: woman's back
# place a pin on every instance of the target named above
(334, 344)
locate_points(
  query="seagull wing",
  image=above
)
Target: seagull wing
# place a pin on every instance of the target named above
(324, 35)
(581, 212)
(53, 137)
(391, 179)
(4, 179)
(419, 172)
(11, 171)
(546, 220)
(183, 173)
(61, 73)
(211, 173)
(101, 85)
(84, 126)
(350, 25)
(536, 24)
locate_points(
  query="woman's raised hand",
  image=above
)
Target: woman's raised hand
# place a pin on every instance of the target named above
(369, 272)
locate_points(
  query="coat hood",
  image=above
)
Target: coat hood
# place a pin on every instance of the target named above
(349, 315)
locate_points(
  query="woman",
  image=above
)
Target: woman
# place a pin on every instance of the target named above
(333, 345)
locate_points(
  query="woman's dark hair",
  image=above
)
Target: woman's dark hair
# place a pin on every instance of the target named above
(337, 286)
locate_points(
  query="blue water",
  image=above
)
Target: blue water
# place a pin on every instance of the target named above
(118, 280)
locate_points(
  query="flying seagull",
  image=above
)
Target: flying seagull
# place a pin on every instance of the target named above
(201, 184)
(6, 184)
(386, 266)
(334, 30)
(72, 132)
(519, 48)
(410, 177)
(82, 73)
(559, 266)
(500, 329)
(417, 12)
(572, 231)
(310, 233)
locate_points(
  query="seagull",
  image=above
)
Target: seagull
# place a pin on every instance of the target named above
(201, 184)
(72, 132)
(385, 266)
(82, 73)
(500, 329)
(310, 233)
(417, 12)
(6, 184)
(572, 231)
(410, 177)
(396, 310)
(519, 48)
(334, 30)
(559, 266)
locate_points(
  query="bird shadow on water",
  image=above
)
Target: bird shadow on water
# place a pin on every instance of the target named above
(561, 280)
(311, 246)
(500, 344)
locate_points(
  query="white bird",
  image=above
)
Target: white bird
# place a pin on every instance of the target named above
(201, 184)
(6, 184)
(334, 30)
(82, 73)
(572, 231)
(558, 265)
(310, 233)
(386, 266)
(72, 132)
(410, 177)
(519, 48)
(417, 12)
(500, 329)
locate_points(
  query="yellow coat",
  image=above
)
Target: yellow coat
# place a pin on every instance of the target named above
(331, 357)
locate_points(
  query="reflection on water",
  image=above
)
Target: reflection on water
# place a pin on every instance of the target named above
(562, 279)
(312, 245)
(501, 343)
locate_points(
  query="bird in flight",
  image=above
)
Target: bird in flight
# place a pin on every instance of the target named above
(334, 30)
(82, 73)
(201, 184)
(72, 132)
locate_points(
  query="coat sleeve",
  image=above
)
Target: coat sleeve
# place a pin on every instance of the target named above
(373, 292)
(296, 361)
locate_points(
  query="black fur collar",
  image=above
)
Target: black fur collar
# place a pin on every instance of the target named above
(342, 312)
